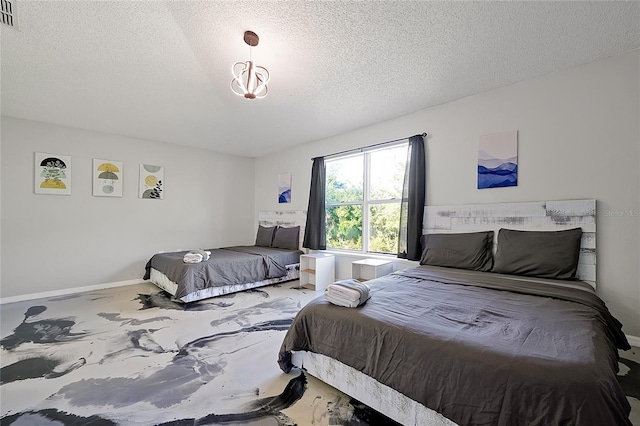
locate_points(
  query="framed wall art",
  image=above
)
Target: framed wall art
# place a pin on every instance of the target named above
(151, 182)
(284, 188)
(107, 178)
(52, 174)
(498, 160)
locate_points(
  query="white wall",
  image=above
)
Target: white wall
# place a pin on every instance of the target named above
(53, 242)
(579, 137)
(1, 204)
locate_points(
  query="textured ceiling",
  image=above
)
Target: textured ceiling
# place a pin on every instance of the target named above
(160, 70)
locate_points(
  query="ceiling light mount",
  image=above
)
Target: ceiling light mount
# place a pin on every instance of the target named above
(249, 80)
(251, 38)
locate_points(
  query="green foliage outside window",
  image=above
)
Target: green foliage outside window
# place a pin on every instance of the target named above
(344, 227)
(344, 223)
(345, 197)
(384, 220)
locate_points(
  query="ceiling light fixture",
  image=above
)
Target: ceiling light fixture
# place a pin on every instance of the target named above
(249, 80)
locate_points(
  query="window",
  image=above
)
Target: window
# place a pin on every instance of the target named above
(363, 195)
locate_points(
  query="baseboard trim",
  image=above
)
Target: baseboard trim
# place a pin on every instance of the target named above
(65, 291)
(634, 341)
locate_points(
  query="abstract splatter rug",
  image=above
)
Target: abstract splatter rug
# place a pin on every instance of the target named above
(131, 356)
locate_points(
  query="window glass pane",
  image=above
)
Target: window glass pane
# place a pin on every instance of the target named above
(387, 173)
(344, 179)
(344, 227)
(384, 221)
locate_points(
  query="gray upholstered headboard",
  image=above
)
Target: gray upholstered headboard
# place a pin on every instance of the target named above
(284, 218)
(528, 216)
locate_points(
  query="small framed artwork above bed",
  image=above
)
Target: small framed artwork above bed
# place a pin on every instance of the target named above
(202, 273)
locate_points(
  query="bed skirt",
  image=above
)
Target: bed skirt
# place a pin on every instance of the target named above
(161, 280)
(368, 390)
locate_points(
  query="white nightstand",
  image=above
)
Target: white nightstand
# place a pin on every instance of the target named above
(368, 269)
(317, 270)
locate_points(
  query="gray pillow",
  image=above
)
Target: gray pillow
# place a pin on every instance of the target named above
(544, 254)
(287, 238)
(470, 250)
(265, 235)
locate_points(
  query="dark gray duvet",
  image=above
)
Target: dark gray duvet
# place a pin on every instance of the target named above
(478, 347)
(226, 266)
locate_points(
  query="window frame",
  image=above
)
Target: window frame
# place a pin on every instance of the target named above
(366, 202)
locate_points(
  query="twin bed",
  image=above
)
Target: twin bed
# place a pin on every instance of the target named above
(495, 327)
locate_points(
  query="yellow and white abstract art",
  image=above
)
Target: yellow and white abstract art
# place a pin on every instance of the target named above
(52, 174)
(107, 178)
(151, 182)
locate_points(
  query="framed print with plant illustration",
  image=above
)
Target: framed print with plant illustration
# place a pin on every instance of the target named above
(52, 174)
(151, 182)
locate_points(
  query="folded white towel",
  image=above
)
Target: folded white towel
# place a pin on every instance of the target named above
(337, 300)
(344, 292)
(349, 293)
(196, 256)
(192, 258)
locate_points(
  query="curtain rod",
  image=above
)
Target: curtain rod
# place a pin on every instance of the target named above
(363, 148)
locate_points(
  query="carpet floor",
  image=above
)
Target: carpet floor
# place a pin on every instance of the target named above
(131, 356)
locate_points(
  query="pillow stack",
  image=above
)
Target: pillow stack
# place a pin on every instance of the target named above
(540, 254)
(278, 237)
(265, 235)
(464, 251)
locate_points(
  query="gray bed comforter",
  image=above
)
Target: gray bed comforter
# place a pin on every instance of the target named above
(478, 347)
(226, 266)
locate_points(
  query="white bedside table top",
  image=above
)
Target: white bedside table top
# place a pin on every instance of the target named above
(372, 262)
(317, 255)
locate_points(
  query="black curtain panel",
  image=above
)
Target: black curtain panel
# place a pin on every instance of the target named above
(413, 198)
(315, 230)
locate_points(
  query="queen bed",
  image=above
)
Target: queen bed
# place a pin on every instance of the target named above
(274, 258)
(470, 337)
